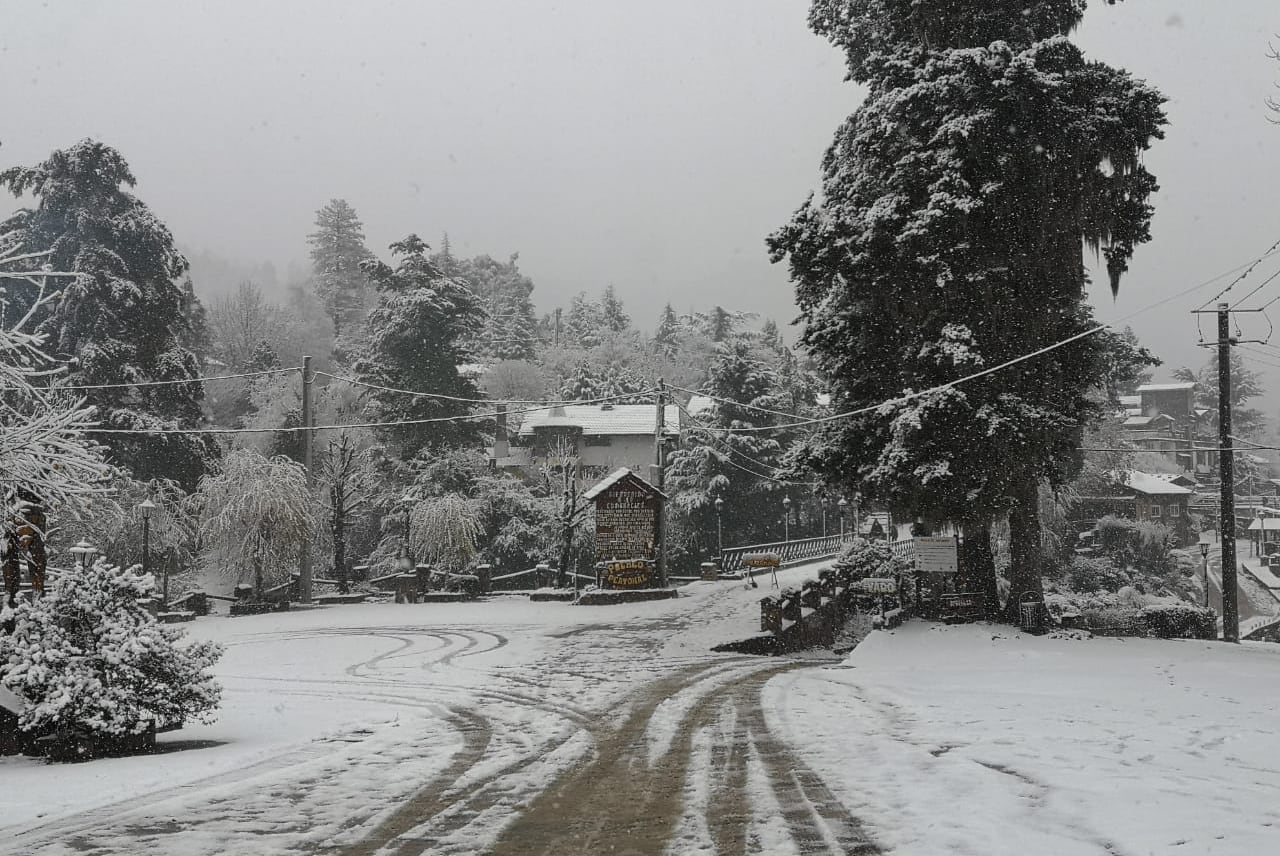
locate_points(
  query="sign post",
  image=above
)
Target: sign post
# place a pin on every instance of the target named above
(628, 512)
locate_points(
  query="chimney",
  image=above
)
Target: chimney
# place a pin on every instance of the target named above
(501, 448)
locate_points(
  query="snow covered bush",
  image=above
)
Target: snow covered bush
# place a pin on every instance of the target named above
(1179, 621)
(872, 559)
(90, 656)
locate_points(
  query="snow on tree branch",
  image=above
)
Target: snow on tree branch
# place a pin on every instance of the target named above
(44, 453)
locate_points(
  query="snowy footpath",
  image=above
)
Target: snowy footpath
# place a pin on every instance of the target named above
(510, 727)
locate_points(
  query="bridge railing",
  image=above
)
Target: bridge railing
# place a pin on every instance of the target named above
(789, 552)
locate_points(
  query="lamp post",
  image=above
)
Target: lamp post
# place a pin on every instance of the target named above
(407, 501)
(843, 505)
(84, 553)
(719, 531)
(146, 508)
(1204, 567)
(823, 500)
(786, 518)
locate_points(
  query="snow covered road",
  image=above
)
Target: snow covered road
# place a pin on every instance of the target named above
(429, 728)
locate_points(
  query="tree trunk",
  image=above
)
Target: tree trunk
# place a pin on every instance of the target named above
(1025, 555)
(978, 563)
(257, 578)
(339, 543)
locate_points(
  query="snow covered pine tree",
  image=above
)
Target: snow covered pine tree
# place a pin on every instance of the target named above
(956, 203)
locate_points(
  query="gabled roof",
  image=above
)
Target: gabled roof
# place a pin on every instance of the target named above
(620, 474)
(597, 421)
(1176, 478)
(1145, 421)
(1151, 484)
(1166, 387)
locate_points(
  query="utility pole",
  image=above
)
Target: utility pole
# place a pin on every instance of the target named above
(555, 338)
(308, 429)
(659, 481)
(1226, 467)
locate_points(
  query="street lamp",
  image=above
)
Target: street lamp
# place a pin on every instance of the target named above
(719, 531)
(146, 508)
(84, 553)
(786, 518)
(823, 500)
(407, 501)
(843, 505)
(1204, 567)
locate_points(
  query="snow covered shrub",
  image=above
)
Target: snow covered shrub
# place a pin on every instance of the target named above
(1089, 574)
(872, 559)
(90, 656)
(1179, 621)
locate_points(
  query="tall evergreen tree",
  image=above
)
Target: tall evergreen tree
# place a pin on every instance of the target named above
(615, 318)
(955, 204)
(414, 343)
(584, 325)
(126, 317)
(509, 331)
(665, 336)
(337, 252)
(717, 459)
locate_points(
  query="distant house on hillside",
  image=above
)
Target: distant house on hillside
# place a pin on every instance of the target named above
(1155, 497)
(1175, 400)
(601, 437)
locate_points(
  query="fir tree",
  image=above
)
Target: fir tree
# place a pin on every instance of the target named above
(415, 343)
(126, 317)
(89, 656)
(509, 331)
(718, 460)
(337, 253)
(584, 325)
(614, 318)
(664, 337)
(954, 242)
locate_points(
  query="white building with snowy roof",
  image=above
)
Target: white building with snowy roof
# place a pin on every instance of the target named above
(602, 437)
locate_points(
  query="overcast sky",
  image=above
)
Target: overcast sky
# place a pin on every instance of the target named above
(649, 145)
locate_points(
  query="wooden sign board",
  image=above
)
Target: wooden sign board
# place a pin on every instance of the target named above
(629, 574)
(878, 585)
(626, 518)
(936, 554)
(762, 560)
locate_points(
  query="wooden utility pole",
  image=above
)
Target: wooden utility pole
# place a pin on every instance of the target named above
(308, 429)
(1226, 467)
(659, 481)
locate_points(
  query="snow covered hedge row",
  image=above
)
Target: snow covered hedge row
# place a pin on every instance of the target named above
(1128, 612)
(89, 656)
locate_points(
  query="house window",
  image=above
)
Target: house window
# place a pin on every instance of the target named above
(597, 440)
(1154, 512)
(1174, 511)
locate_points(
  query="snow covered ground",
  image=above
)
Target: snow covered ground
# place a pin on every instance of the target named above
(333, 717)
(974, 739)
(513, 727)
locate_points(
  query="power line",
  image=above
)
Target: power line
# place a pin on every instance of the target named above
(1247, 270)
(1256, 289)
(417, 394)
(142, 383)
(464, 417)
(736, 403)
(730, 451)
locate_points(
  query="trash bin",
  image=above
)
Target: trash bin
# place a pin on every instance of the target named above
(1032, 615)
